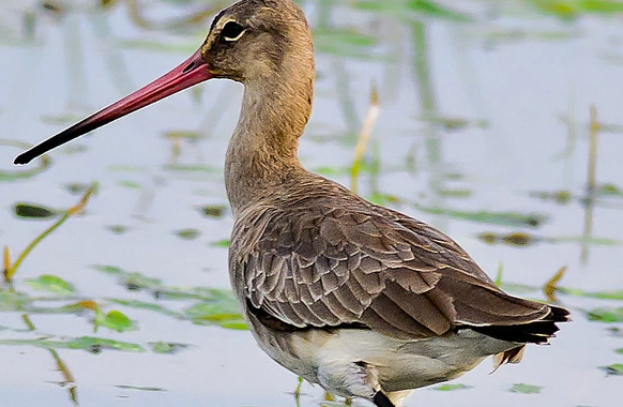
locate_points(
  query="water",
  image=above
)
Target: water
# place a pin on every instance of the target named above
(475, 116)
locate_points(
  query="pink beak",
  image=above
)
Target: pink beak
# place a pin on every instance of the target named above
(191, 72)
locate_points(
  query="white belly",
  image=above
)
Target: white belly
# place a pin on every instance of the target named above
(328, 357)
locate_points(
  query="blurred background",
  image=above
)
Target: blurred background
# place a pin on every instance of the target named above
(499, 121)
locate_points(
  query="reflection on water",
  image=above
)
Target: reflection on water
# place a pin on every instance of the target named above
(485, 130)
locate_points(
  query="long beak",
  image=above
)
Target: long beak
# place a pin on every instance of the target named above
(191, 72)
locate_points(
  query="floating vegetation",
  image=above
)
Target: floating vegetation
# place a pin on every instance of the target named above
(452, 387)
(214, 306)
(192, 168)
(499, 218)
(167, 348)
(118, 229)
(113, 320)
(220, 243)
(560, 197)
(129, 184)
(513, 239)
(10, 269)
(33, 211)
(602, 295)
(570, 9)
(212, 211)
(606, 314)
(455, 193)
(615, 369)
(456, 123)
(149, 306)
(524, 388)
(224, 313)
(609, 190)
(90, 344)
(139, 388)
(525, 239)
(188, 234)
(182, 134)
(131, 280)
(52, 284)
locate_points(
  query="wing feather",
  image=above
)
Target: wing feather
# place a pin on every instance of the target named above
(317, 265)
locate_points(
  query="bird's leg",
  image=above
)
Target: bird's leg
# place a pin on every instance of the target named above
(381, 400)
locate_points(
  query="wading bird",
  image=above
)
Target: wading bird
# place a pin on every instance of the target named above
(361, 299)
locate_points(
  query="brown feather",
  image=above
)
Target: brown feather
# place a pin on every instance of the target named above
(339, 260)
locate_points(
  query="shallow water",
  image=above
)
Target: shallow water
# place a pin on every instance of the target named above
(476, 116)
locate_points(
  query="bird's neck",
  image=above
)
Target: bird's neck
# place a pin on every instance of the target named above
(263, 150)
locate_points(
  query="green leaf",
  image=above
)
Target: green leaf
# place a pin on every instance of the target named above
(108, 269)
(53, 284)
(33, 211)
(88, 343)
(615, 369)
(168, 348)
(150, 306)
(132, 280)
(220, 243)
(606, 314)
(524, 388)
(212, 211)
(604, 295)
(129, 184)
(224, 313)
(452, 387)
(188, 234)
(114, 320)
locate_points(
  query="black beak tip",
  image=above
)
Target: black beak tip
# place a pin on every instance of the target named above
(22, 159)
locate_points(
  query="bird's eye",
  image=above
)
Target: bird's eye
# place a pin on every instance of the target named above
(232, 31)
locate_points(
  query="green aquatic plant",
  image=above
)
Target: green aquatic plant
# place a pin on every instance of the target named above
(91, 344)
(524, 388)
(498, 218)
(11, 268)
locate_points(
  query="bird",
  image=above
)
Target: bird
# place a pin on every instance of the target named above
(361, 299)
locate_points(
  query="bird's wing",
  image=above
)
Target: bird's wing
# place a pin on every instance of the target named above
(322, 266)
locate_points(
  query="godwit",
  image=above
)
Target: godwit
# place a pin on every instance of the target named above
(366, 301)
